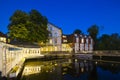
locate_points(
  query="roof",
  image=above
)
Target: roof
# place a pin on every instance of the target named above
(25, 44)
(54, 25)
(2, 35)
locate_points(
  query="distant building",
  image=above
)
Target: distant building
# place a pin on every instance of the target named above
(83, 43)
(66, 46)
(55, 36)
(3, 37)
(79, 43)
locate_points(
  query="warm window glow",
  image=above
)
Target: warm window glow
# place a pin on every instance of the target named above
(64, 40)
(64, 36)
(82, 40)
(50, 41)
(2, 39)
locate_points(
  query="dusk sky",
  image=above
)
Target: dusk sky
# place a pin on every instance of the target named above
(68, 14)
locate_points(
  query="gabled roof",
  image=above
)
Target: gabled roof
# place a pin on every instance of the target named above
(54, 25)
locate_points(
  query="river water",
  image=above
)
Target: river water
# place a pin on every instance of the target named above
(71, 69)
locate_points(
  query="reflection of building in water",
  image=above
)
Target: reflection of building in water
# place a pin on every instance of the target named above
(78, 67)
(31, 70)
(58, 70)
(51, 70)
(84, 66)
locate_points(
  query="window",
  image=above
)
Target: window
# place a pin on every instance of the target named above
(50, 41)
(64, 40)
(56, 34)
(55, 40)
(50, 35)
(82, 41)
(50, 28)
(64, 36)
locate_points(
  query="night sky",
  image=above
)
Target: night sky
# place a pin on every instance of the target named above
(68, 14)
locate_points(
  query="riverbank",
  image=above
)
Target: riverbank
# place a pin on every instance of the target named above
(15, 71)
(107, 58)
(55, 56)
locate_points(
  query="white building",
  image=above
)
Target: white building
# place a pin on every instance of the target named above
(55, 36)
(3, 37)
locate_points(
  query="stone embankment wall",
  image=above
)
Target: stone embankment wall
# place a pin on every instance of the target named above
(107, 53)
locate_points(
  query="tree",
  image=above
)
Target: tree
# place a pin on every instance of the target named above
(77, 31)
(17, 29)
(30, 27)
(19, 32)
(109, 42)
(40, 25)
(115, 41)
(93, 32)
(104, 42)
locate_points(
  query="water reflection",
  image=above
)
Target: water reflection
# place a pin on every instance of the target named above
(28, 70)
(71, 69)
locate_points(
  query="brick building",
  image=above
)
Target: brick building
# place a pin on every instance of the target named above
(79, 43)
(83, 43)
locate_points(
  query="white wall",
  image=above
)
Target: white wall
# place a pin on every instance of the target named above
(0, 57)
(56, 35)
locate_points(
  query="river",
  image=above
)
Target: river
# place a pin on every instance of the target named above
(70, 69)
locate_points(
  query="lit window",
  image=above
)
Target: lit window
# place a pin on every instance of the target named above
(64, 36)
(50, 41)
(64, 40)
(82, 40)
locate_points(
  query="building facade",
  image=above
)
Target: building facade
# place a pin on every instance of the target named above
(66, 46)
(55, 36)
(78, 42)
(83, 43)
(3, 37)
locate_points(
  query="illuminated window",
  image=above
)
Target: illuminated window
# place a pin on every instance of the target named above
(64, 36)
(64, 40)
(50, 41)
(82, 40)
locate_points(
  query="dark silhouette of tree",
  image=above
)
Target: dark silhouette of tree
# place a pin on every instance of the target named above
(77, 31)
(115, 41)
(103, 42)
(109, 42)
(93, 32)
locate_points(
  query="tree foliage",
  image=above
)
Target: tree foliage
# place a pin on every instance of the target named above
(31, 27)
(93, 32)
(109, 42)
(77, 31)
(18, 32)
